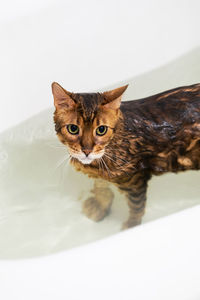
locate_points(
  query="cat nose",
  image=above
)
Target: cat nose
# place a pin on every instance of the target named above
(87, 151)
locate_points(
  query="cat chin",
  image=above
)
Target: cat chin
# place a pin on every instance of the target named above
(86, 161)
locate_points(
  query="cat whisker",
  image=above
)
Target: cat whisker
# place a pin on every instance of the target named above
(63, 165)
(108, 171)
(102, 167)
(116, 163)
(66, 158)
(123, 160)
(56, 145)
(99, 166)
(110, 157)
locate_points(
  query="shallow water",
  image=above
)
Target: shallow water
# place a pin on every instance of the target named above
(41, 194)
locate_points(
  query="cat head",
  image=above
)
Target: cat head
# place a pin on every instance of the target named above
(85, 122)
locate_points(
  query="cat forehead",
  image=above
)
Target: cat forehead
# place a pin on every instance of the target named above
(99, 118)
(93, 119)
(64, 117)
(88, 104)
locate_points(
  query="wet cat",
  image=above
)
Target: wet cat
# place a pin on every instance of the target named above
(125, 143)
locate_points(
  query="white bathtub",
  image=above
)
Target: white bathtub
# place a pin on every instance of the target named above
(48, 249)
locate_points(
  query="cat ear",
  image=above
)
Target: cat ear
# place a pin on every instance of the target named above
(113, 98)
(62, 98)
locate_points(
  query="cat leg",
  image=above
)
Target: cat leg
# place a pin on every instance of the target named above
(136, 198)
(136, 203)
(98, 206)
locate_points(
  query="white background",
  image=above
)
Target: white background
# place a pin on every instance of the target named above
(85, 45)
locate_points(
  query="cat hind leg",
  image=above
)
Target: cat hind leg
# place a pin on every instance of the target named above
(135, 192)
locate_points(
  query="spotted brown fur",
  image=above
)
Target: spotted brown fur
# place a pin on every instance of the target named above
(150, 136)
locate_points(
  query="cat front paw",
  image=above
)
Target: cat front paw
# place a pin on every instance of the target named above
(93, 209)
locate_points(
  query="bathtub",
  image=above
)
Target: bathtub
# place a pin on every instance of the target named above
(48, 248)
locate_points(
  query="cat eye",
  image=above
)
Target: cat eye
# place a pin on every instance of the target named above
(73, 129)
(101, 130)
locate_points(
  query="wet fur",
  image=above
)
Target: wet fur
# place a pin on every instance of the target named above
(150, 136)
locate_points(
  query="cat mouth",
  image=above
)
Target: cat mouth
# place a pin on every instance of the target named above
(86, 160)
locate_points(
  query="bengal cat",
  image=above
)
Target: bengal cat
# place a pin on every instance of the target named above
(125, 143)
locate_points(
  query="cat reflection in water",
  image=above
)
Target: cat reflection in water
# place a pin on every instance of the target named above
(125, 143)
